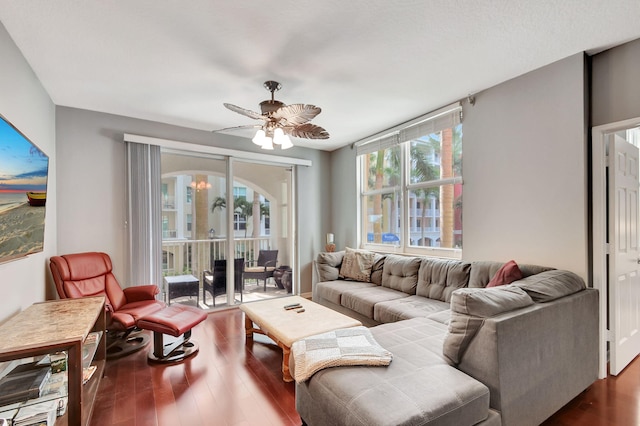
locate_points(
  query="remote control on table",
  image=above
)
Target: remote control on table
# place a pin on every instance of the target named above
(294, 306)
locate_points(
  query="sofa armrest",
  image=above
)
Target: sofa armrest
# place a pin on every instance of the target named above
(536, 359)
(141, 292)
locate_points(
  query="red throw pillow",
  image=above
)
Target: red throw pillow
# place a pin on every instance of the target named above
(509, 273)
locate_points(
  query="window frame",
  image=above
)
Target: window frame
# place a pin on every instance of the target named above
(403, 190)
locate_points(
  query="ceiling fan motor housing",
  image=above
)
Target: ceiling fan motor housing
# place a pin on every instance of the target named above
(269, 106)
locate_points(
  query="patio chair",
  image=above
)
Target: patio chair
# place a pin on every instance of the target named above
(262, 269)
(215, 281)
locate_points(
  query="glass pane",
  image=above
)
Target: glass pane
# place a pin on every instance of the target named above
(381, 218)
(262, 224)
(436, 156)
(435, 217)
(381, 169)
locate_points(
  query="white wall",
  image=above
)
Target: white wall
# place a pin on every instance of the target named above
(524, 169)
(91, 181)
(25, 103)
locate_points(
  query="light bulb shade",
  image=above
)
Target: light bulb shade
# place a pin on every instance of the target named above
(278, 136)
(258, 139)
(286, 142)
(268, 143)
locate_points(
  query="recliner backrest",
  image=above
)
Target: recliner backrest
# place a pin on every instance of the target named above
(86, 274)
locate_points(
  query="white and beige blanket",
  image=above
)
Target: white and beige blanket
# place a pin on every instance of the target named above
(345, 346)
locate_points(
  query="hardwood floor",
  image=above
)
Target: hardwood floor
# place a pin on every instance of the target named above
(228, 382)
(231, 382)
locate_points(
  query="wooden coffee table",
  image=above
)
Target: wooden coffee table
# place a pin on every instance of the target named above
(286, 326)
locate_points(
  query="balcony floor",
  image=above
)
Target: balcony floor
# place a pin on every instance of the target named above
(251, 293)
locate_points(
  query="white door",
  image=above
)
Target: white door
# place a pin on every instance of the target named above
(624, 267)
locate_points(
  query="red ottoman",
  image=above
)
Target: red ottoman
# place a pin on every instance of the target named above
(174, 320)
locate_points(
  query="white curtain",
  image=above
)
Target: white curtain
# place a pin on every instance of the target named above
(144, 214)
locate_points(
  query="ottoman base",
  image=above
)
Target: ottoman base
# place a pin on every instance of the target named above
(177, 321)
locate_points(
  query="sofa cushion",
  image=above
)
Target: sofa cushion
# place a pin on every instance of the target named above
(332, 290)
(438, 278)
(509, 273)
(407, 307)
(483, 271)
(469, 308)
(328, 265)
(401, 273)
(417, 388)
(362, 300)
(551, 285)
(357, 264)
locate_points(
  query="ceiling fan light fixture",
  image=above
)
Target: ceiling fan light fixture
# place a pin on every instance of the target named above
(278, 136)
(258, 139)
(286, 142)
(268, 143)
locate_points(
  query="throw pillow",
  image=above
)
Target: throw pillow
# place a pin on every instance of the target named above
(357, 265)
(509, 273)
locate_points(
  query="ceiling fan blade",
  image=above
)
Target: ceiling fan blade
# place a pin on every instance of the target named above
(246, 112)
(308, 131)
(295, 114)
(248, 126)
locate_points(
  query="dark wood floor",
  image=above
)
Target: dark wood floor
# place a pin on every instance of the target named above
(233, 383)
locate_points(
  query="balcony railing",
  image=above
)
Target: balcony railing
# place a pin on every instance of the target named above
(194, 256)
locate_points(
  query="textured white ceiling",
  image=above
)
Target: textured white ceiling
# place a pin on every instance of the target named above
(369, 64)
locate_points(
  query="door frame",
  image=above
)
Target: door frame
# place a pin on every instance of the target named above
(599, 272)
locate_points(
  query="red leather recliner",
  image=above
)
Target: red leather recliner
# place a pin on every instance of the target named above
(90, 274)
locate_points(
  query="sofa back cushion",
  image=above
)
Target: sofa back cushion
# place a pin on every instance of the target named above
(438, 278)
(483, 271)
(469, 308)
(401, 273)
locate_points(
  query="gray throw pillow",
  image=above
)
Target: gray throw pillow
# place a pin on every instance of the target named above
(550, 285)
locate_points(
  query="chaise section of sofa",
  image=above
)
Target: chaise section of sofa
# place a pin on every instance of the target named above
(419, 387)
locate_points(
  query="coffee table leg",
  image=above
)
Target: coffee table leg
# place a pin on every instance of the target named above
(248, 326)
(286, 374)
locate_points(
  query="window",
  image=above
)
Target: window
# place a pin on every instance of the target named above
(411, 187)
(189, 194)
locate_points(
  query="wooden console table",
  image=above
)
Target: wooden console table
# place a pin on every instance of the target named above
(57, 326)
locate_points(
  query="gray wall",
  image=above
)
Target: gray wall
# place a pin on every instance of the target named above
(525, 172)
(91, 176)
(615, 84)
(25, 103)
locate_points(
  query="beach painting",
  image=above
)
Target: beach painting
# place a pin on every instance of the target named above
(23, 169)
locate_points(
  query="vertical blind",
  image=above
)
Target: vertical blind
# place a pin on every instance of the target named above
(144, 214)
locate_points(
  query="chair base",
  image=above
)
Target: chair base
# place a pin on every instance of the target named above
(172, 352)
(123, 343)
(176, 321)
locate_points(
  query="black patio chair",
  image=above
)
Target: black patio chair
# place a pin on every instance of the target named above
(215, 282)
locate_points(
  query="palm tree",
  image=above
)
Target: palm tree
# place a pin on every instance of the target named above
(241, 206)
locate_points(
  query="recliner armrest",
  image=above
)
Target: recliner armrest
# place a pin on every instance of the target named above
(141, 292)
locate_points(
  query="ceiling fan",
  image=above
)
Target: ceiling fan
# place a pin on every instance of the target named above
(279, 121)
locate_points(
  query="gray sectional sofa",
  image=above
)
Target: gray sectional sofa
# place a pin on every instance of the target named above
(463, 354)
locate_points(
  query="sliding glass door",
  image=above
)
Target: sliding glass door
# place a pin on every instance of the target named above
(206, 221)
